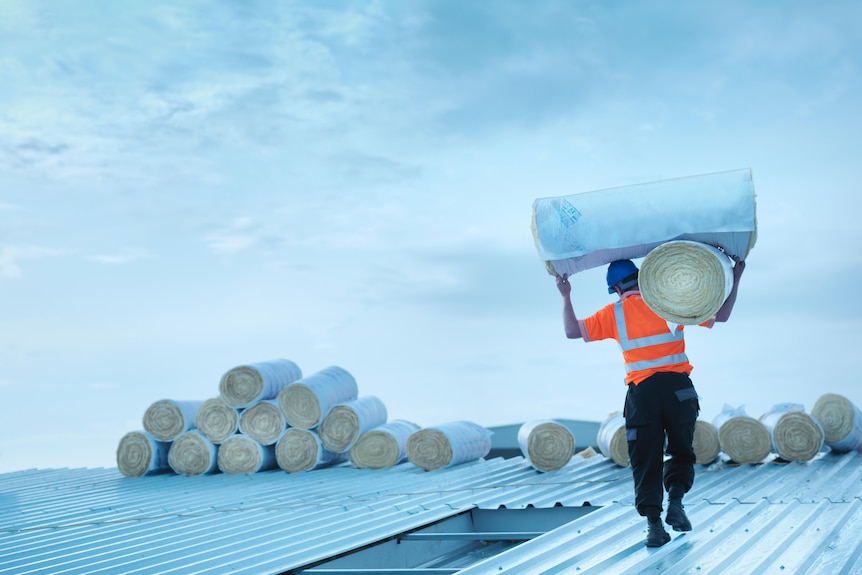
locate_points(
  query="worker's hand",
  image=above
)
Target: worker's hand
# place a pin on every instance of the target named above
(563, 285)
(738, 268)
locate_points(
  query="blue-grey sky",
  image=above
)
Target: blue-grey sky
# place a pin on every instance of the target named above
(188, 187)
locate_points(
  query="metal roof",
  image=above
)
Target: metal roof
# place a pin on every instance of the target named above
(764, 518)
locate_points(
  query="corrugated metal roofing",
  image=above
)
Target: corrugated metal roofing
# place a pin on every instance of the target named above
(765, 518)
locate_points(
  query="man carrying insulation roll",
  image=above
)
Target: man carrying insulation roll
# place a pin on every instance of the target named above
(661, 406)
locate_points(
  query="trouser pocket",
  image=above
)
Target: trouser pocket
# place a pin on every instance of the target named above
(689, 403)
(637, 408)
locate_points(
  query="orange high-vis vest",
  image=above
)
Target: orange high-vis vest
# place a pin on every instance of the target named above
(647, 342)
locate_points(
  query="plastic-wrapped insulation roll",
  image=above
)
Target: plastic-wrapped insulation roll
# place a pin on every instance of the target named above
(193, 454)
(301, 450)
(242, 454)
(217, 420)
(384, 446)
(706, 444)
(166, 419)
(685, 282)
(264, 422)
(841, 421)
(796, 436)
(245, 385)
(585, 230)
(345, 422)
(611, 439)
(306, 403)
(743, 438)
(546, 444)
(139, 453)
(448, 444)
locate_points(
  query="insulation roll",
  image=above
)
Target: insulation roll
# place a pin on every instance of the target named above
(448, 444)
(796, 436)
(166, 419)
(841, 421)
(546, 444)
(246, 384)
(193, 454)
(685, 282)
(384, 446)
(345, 422)
(581, 231)
(305, 403)
(139, 453)
(217, 420)
(743, 438)
(242, 454)
(264, 422)
(706, 444)
(301, 450)
(611, 439)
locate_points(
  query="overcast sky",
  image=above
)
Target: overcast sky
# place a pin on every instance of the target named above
(187, 187)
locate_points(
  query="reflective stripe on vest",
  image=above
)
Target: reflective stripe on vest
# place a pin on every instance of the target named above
(628, 344)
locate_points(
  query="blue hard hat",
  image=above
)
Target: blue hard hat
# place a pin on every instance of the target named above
(619, 271)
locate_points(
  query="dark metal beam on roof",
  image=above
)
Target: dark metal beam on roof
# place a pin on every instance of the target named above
(420, 571)
(474, 535)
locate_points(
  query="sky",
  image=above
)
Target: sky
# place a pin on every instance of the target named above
(189, 187)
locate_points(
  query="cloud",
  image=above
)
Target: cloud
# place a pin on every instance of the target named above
(469, 284)
(240, 235)
(12, 256)
(125, 257)
(359, 167)
(30, 151)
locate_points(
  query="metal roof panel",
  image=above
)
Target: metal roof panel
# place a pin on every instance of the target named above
(788, 518)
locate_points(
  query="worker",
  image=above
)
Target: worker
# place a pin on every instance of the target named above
(661, 405)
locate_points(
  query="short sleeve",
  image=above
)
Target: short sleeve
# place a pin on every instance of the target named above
(600, 325)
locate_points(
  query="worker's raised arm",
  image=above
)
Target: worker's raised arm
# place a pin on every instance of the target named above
(570, 322)
(723, 313)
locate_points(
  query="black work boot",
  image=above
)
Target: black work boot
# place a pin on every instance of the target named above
(656, 535)
(676, 516)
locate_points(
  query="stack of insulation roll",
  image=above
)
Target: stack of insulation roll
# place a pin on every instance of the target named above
(185, 437)
(268, 415)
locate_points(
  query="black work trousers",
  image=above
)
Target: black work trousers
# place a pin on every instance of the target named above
(660, 414)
